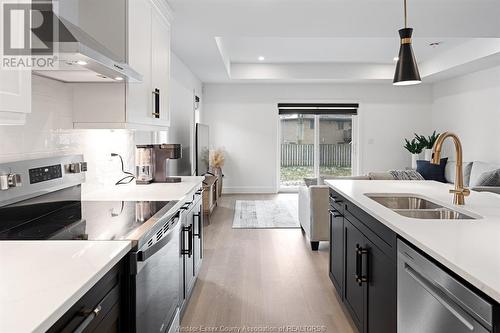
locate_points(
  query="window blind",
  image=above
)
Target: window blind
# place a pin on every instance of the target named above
(318, 108)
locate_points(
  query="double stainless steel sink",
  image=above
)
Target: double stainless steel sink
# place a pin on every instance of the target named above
(416, 207)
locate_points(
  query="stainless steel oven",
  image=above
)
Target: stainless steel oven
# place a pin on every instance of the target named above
(155, 271)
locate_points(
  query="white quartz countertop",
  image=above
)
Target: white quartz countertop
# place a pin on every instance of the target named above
(41, 280)
(134, 192)
(470, 248)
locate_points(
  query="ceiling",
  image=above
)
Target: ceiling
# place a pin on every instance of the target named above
(324, 50)
(330, 40)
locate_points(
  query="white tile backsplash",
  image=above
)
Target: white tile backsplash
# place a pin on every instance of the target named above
(49, 132)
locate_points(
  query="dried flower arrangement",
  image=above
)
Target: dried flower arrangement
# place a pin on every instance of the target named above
(217, 158)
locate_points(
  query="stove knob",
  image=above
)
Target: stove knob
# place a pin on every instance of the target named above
(10, 180)
(74, 167)
(77, 167)
(14, 180)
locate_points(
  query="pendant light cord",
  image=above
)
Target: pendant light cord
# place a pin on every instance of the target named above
(406, 15)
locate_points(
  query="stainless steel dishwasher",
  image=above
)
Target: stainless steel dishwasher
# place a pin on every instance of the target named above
(432, 301)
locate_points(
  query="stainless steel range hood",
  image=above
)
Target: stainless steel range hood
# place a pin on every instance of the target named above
(80, 58)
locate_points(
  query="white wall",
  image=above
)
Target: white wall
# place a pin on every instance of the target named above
(243, 118)
(184, 86)
(470, 106)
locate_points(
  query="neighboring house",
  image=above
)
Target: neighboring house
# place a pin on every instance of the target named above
(301, 131)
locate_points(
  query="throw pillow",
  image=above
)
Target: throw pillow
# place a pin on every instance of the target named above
(490, 178)
(478, 168)
(449, 172)
(406, 175)
(431, 171)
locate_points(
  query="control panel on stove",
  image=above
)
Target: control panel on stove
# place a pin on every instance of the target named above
(43, 174)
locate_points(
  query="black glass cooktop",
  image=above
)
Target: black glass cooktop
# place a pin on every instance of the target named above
(77, 220)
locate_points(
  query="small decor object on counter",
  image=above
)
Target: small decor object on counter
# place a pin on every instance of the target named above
(415, 149)
(431, 171)
(427, 143)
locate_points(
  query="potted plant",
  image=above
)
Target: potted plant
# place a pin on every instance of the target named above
(415, 149)
(427, 144)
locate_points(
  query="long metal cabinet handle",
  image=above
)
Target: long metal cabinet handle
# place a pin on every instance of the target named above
(438, 295)
(190, 242)
(335, 213)
(84, 324)
(156, 100)
(189, 250)
(360, 277)
(198, 217)
(335, 199)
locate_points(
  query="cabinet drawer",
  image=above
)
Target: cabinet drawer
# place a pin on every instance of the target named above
(104, 296)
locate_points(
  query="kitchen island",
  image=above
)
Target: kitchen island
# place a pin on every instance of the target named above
(470, 248)
(371, 237)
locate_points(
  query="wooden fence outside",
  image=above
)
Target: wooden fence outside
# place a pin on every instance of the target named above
(331, 155)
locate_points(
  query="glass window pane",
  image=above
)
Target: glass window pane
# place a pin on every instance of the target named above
(297, 150)
(335, 149)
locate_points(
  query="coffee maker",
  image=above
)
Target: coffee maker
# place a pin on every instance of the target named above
(152, 163)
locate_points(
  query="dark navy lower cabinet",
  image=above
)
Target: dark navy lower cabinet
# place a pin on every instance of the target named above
(99, 310)
(363, 266)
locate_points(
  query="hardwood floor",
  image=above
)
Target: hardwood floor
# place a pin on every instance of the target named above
(264, 278)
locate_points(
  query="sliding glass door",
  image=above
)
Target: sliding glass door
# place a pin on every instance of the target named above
(313, 147)
(335, 146)
(297, 150)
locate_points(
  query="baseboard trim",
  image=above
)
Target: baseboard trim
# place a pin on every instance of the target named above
(248, 190)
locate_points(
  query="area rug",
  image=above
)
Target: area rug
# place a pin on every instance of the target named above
(257, 214)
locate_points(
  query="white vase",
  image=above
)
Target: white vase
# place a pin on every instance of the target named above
(428, 154)
(414, 158)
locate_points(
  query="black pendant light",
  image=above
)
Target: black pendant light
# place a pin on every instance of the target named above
(406, 67)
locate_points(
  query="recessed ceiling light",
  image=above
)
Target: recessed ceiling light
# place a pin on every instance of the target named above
(118, 78)
(261, 58)
(395, 59)
(81, 62)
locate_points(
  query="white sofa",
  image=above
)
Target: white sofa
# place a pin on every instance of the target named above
(472, 171)
(313, 212)
(313, 200)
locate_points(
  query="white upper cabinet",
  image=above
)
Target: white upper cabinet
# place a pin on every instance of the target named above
(15, 96)
(140, 105)
(160, 62)
(15, 84)
(139, 95)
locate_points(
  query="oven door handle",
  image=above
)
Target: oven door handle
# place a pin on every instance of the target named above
(144, 255)
(150, 251)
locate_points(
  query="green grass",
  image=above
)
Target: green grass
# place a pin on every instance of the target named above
(292, 176)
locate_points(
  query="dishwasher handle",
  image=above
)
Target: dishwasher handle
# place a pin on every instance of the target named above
(441, 297)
